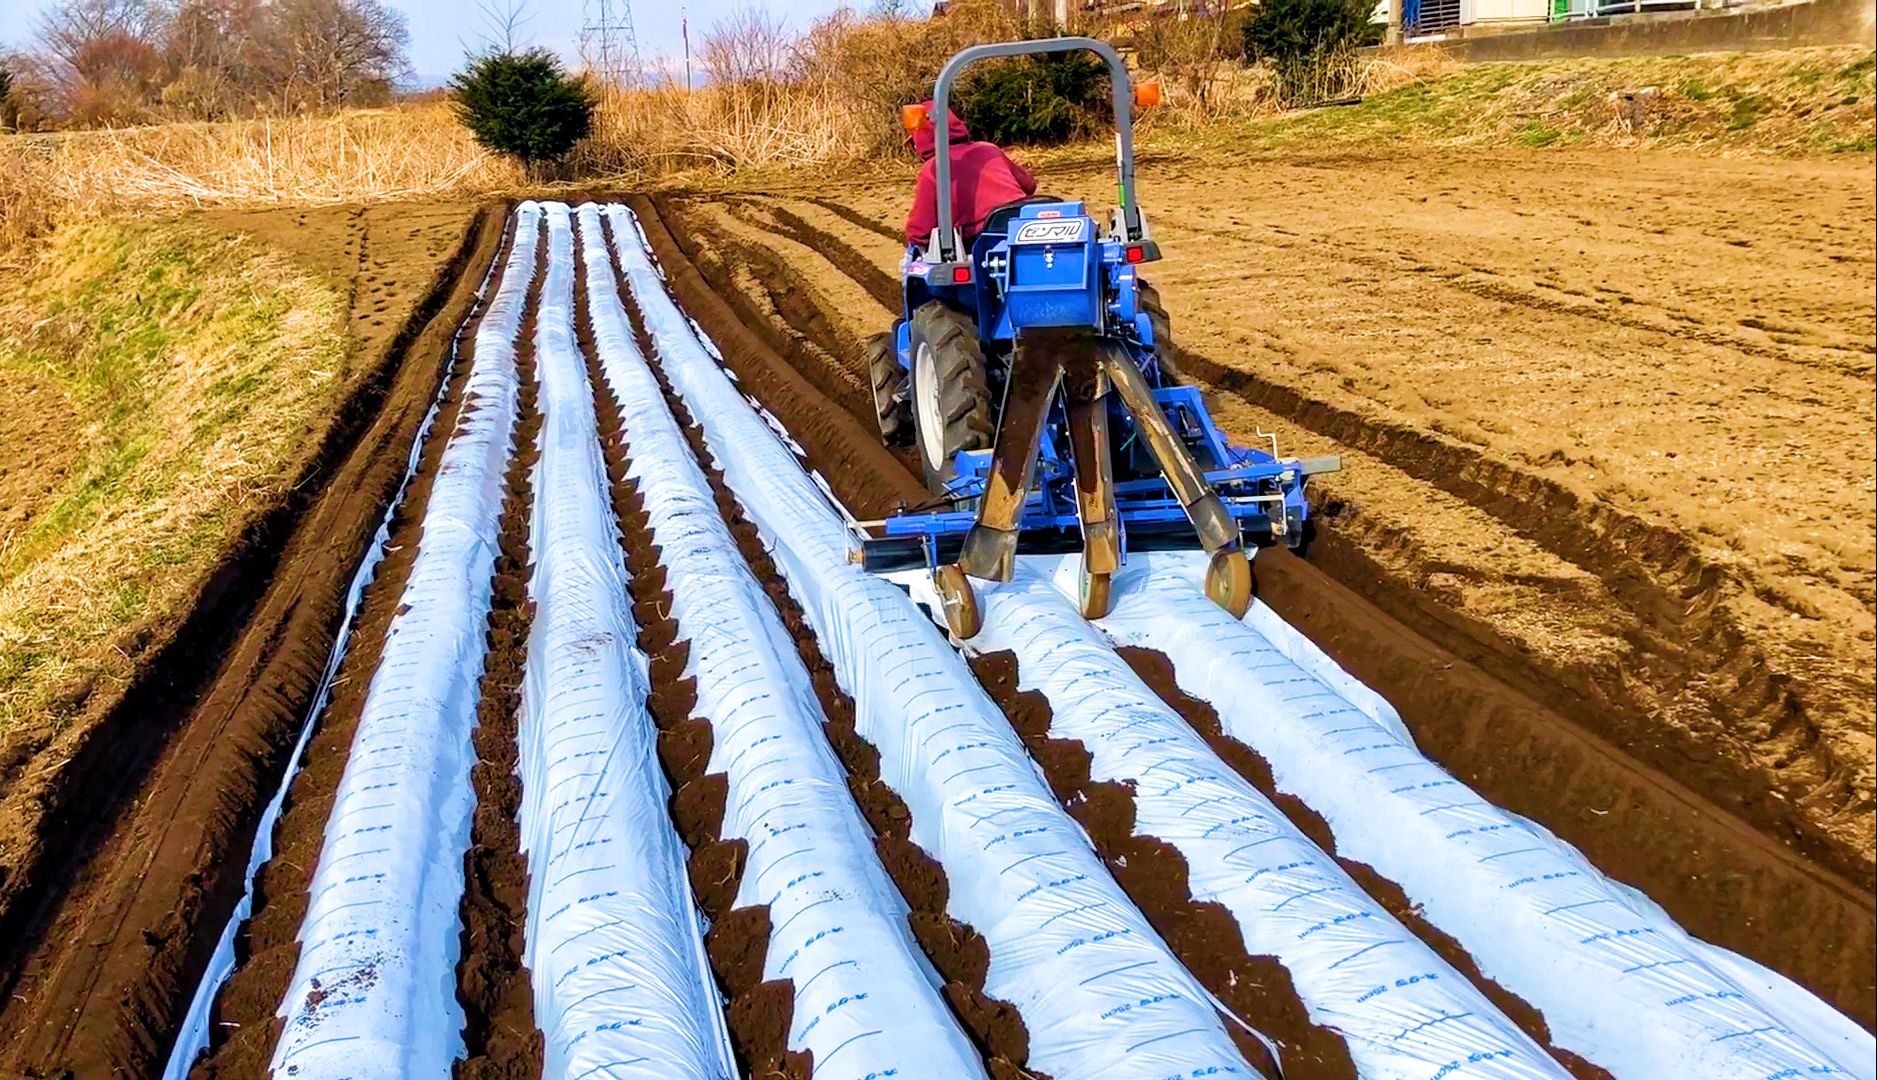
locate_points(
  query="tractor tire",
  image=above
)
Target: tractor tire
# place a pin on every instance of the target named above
(1164, 348)
(892, 403)
(951, 390)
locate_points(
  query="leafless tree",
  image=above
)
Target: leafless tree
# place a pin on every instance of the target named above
(1191, 44)
(325, 53)
(124, 61)
(500, 24)
(104, 58)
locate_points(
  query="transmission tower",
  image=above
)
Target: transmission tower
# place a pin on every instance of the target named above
(608, 45)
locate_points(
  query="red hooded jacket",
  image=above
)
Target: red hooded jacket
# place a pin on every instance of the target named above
(983, 179)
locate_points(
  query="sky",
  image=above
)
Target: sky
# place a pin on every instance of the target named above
(441, 30)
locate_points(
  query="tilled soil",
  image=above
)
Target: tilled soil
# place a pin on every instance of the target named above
(1156, 671)
(760, 1011)
(1598, 658)
(1482, 699)
(104, 934)
(499, 1033)
(1619, 437)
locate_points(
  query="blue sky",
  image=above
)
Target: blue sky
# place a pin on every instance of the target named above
(440, 29)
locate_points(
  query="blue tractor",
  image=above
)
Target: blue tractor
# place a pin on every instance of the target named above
(1032, 371)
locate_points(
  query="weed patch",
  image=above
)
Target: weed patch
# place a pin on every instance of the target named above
(197, 370)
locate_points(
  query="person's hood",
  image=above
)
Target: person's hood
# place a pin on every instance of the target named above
(925, 140)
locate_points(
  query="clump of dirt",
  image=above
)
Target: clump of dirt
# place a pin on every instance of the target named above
(501, 1039)
(177, 769)
(1156, 671)
(1204, 935)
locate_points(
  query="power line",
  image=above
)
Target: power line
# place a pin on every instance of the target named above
(609, 47)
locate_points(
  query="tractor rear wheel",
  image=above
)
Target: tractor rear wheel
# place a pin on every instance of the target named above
(891, 404)
(1156, 311)
(951, 390)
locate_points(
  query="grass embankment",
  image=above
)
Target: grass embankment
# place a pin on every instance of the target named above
(1788, 102)
(178, 378)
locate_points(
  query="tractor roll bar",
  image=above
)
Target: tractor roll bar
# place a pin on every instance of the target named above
(1123, 119)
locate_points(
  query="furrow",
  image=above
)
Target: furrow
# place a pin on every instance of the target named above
(864, 1002)
(1617, 981)
(956, 951)
(1099, 990)
(613, 936)
(1402, 1010)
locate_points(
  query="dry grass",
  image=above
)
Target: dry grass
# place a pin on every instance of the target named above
(664, 132)
(369, 154)
(1236, 92)
(198, 371)
(1780, 103)
(361, 156)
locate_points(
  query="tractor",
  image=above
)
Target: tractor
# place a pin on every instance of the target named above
(1033, 371)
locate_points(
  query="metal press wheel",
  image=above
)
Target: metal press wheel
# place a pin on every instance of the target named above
(1228, 582)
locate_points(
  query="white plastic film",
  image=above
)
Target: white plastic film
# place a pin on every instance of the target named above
(374, 992)
(1618, 982)
(1098, 990)
(1405, 1013)
(621, 985)
(867, 1003)
(1305, 653)
(193, 1038)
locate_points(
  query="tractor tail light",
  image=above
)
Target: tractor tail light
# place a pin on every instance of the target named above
(1135, 253)
(961, 275)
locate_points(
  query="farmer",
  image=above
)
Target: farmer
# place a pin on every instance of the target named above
(983, 179)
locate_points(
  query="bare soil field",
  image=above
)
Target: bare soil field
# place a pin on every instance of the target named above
(1605, 523)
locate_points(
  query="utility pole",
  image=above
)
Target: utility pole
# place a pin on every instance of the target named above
(608, 44)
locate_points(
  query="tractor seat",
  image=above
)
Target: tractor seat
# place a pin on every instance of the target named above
(999, 221)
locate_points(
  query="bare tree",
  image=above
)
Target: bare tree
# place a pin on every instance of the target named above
(104, 58)
(1191, 44)
(325, 53)
(749, 46)
(9, 112)
(214, 51)
(500, 25)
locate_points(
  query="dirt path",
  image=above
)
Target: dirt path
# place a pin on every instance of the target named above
(1484, 700)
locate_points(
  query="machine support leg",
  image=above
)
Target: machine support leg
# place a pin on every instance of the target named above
(1086, 388)
(990, 548)
(1217, 531)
